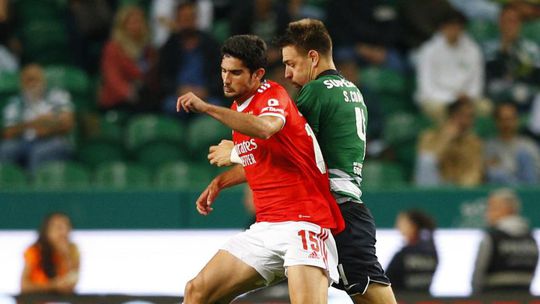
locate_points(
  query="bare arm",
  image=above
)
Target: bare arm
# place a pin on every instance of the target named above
(232, 177)
(250, 125)
(45, 125)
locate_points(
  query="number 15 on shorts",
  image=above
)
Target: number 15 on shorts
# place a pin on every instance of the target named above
(309, 237)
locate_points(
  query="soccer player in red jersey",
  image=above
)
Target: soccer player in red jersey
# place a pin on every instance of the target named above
(282, 163)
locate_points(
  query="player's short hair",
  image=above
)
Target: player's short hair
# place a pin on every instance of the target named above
(250, 49)
(456, 106)
(305, 35)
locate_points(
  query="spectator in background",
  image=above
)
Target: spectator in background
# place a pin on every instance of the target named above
(451, 154)
(449, 66)
(367, 29)
(413, 266)
(37, 122)
(89, 23)
(10, 46)
(511, 158)
(127, 64)
(264, 18)
(51, 264)
(512, 62)
(189, 61)
(508, 253)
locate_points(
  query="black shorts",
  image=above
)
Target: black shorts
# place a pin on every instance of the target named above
(358, 264)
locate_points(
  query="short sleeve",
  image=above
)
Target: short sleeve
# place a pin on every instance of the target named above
(60, 101)
(309, 105)
(31, 257)
(276, 102)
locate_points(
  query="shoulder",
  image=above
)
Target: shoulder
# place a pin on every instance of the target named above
(32, 254)
(58, 97)
(270, 89)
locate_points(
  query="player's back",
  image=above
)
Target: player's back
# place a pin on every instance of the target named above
(286, 172)
(335, 109)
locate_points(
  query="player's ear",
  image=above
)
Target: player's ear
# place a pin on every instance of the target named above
(314, 56)
(259, 74)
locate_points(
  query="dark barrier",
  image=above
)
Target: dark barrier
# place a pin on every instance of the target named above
(262, 299)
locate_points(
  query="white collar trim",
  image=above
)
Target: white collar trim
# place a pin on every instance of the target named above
(245, 104)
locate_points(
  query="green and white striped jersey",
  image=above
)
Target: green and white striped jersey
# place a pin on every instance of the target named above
(335, 109)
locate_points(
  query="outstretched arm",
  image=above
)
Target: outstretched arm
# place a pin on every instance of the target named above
(260, 127)
(227, 179)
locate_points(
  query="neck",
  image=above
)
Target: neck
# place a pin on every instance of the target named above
(242, 98)
(324, 64)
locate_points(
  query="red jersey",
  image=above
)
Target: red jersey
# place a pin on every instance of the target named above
(286, 172)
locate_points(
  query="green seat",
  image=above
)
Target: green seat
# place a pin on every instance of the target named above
(158, 153)
(184, 175)
(69, 78)
(11, 177)
(148, 129)
(96, 152)
(221, 30)
(45, 42)
(61, 175)
(401, 128)
(482, 30)
(203, 133)
(121, 175)
(382, 175)
(383, 80)
(9, 84)
(531, 30)
(484, 126)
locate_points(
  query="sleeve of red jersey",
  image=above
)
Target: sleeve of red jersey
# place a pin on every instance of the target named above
(276, 102)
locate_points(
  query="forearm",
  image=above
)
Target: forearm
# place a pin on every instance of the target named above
(246, 124)
(52, 125)
(232, 177)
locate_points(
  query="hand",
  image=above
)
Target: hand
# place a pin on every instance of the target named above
(207, 197)
(220, 155)
(191, 103)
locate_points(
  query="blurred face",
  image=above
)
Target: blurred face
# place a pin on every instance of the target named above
(507, 120)
(58, 230)
(406, 227)
(452, 32)
(186, 18)
(238, 82)
(33, 82)
(496, 209)
(465, 117)
(510, 24)
(135, 24)
(297, 66)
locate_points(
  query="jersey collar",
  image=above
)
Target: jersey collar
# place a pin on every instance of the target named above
(327, 73)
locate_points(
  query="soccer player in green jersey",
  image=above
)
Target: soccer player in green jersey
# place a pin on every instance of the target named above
(335, 109)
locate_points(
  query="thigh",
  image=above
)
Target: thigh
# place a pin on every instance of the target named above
(358, 263)
(376, 294)
(307, 284)
(225, 277)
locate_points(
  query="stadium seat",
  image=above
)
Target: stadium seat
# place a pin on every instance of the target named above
(204, 132)
(484, 126)
(45, 42)
(11, 177)
(184, 175)
(482, 30)
(121, 175)
(69, 78)
(96, 152)
(401, 128)
(148, 129)
(383, 80)
(382, 175)
(9, 84)
(158, 153)
(531, 30)
(61, 175)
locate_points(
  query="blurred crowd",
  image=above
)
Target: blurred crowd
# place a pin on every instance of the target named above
(452, 86)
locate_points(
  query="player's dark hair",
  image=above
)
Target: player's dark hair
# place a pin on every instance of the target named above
(45, 247)
(306, 35)
(250, 49)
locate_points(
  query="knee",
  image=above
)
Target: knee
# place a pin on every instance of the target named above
(194, 292)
